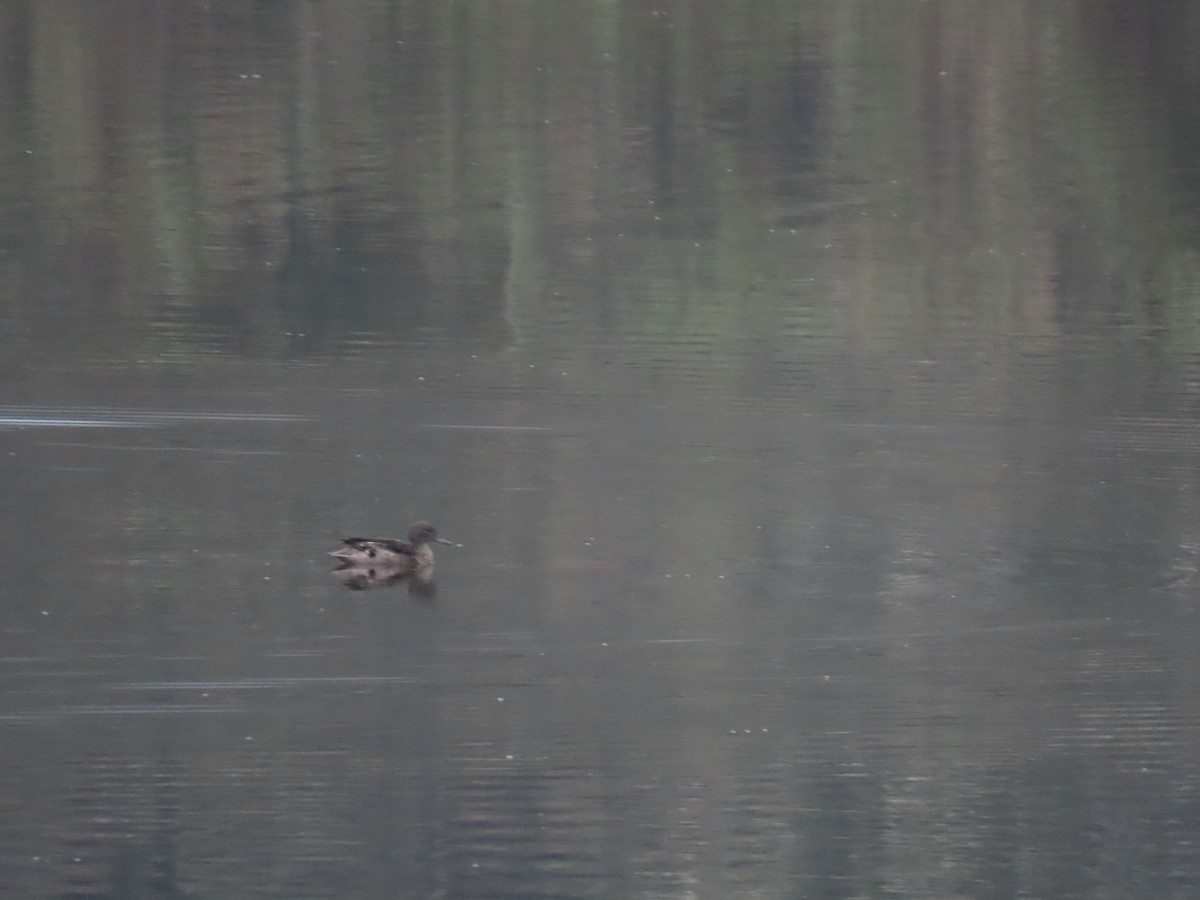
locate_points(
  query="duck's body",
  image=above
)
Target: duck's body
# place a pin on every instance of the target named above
(396, 556)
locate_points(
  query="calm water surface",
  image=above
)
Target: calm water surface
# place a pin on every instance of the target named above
(811, 393)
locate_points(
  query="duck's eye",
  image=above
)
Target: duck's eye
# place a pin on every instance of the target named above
(371, 552)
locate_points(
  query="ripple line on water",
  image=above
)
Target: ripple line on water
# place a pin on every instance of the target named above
(260, 683)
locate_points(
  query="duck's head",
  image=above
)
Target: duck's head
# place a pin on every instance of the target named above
(424, 533)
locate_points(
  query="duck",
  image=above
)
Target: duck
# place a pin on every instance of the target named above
(396, 557)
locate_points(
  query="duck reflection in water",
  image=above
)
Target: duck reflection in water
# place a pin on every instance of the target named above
(384, 562)
(365, 578)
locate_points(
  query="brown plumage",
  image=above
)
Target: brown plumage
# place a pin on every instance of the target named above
(392, 554)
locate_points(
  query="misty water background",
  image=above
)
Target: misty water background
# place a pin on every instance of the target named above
(812, 388)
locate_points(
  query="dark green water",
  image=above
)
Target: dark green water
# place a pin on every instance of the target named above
(811, 388)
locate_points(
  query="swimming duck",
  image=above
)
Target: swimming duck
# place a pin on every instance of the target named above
(395, 556)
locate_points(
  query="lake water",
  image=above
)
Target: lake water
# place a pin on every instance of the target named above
(811, 391)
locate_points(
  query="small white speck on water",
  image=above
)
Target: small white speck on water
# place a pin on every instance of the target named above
(45, 612)
(508, 756)
(499, 699)
(604, 643)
